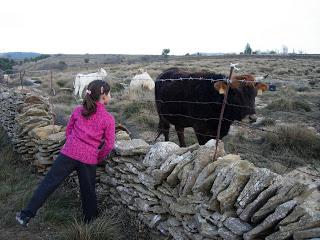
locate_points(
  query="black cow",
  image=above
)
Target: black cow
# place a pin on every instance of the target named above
(186, 102)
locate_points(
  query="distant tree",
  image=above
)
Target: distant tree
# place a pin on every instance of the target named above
(61, 66)
(6, 64)
(187, 54)
(247, 49)
(86, 60)
(165, 53)
(40, 57)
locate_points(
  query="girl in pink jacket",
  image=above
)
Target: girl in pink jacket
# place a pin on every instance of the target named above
(90, 137)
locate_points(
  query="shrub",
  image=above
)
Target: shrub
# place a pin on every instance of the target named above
(303, 88)
(302, 141)
(61, 83)
(135, 107)
(103, 228)
(68, 99)
(285, 104)
(267, 122)
(116, 87)
(147, 120)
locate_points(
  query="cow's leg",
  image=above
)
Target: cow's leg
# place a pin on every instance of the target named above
(81, 89)
(201, 139)
(204, 135)
(76, 90)
(76, 86)
(180, 133)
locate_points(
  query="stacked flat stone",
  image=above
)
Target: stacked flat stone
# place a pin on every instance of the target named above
(182, 192)
(9, 103)
(48, 141)
(33, 113)
(27, 120)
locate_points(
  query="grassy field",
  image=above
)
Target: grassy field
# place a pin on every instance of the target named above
(296, 102)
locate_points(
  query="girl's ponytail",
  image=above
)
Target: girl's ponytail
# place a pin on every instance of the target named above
(94, 90)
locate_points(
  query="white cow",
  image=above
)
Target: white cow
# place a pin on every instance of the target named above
(6, 78)
(141, 86)
(82, 80)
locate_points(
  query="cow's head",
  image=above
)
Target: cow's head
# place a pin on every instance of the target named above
(242, 93)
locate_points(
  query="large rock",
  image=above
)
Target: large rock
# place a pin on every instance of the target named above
(178, 233)
(33, 99)
(206, 229)
(158, 153)
(168, 166)
(204, 156)
(240, 175)
(43, 133)
(56, 138)
(285, 193)
(260, 179)
(307, 234)
(172, 179)
(122, 135)
(280, 213)
(209, 173)
(228, 235)
(262, 198)
(237, 226)
(305, 216)
(131, 147)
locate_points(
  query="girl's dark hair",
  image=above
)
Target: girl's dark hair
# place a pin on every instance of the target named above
(94, 90)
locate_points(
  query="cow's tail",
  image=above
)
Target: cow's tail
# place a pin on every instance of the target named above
(160, 130)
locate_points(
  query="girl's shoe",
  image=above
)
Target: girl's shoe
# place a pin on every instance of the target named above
(22, 219)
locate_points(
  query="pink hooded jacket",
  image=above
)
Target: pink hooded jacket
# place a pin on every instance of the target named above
(84, 136)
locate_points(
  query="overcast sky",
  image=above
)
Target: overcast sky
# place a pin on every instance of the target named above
(148, 26)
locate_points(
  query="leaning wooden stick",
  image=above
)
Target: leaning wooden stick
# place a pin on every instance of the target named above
(232, 67)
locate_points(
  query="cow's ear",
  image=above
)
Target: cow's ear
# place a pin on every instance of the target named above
(220, 87)
(261, 87)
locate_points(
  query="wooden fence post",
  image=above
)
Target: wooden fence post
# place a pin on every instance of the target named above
(232, 66)
(21, 76)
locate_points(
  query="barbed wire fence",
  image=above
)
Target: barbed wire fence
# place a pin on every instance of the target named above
(21, 75)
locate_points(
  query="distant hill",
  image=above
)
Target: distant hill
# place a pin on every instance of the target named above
(19, 55)
(207, 54)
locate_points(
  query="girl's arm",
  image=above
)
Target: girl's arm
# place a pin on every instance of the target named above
(109, 138)
(70, 124)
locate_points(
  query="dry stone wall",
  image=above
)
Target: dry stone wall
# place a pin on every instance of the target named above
(25, 115)
(180, 192)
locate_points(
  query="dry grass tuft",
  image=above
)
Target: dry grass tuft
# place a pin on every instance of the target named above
(302, 141)
(286, 104)
(134, 108)
(105, 227)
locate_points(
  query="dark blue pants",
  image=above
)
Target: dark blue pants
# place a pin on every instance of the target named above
(60, 170)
